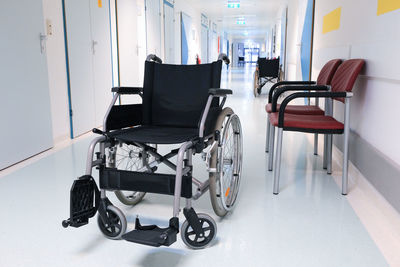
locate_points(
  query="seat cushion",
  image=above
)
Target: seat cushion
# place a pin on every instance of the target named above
(298, 109)
(155, 135)
(307, 123)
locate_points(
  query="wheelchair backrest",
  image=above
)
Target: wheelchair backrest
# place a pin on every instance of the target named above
(176, 95)
(268, 67)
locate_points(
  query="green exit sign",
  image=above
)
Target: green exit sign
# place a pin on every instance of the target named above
(233, 5)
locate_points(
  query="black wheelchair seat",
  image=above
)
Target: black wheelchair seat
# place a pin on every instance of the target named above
(155, 135)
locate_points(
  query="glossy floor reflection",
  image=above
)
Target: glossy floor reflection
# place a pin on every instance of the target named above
(308, 224)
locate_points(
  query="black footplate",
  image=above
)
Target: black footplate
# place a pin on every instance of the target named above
(84, 201)
(152, 235)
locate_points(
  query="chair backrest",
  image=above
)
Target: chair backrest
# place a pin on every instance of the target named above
(346, 75)
(268, 67)
(176, 95)
(328, 70)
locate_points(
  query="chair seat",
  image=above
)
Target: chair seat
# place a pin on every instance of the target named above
(307, 123)
(298, 109)
(155, 135)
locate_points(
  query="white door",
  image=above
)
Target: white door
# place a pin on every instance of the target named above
(101, 50)
(89, 58)
(80, 57)
(204, 44)
(24, 100)
(169, 35)
(131, 42)
(153, 27)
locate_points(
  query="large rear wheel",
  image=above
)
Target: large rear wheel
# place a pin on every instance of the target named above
(256, 83)
(226, 160)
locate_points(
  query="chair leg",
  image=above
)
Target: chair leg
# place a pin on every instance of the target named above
(329, 154)
(315, 144)
(325, 156)
(271, 148)
(346, 147)
(278, 161)
(267, 136)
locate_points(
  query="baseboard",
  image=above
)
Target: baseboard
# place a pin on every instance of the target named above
(379, 170)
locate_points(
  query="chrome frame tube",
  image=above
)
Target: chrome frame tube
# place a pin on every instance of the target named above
(90, 153)
(316, 144)
(115, 98)
(204, 117)
(271, 148)
(178, 178)
(278, 161)
(346, 146)
(267, 135)
(329, 153)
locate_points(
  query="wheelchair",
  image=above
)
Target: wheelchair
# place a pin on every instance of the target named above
(267, 70)
(181, 104)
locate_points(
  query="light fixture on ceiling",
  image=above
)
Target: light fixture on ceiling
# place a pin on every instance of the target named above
(240, 21)
(233, 3)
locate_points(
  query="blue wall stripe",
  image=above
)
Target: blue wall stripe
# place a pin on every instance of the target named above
(168, 3)
(67, 67)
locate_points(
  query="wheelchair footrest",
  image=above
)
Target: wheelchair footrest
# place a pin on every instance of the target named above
(152, 235)
(84, 201)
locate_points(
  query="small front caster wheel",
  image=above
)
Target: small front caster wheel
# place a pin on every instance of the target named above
(194, 241)
(117, 223)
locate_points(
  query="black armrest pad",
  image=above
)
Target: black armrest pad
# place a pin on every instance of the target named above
(127, 90)
(219, 92)
(326, 94)
(283, 89)
(278, 84)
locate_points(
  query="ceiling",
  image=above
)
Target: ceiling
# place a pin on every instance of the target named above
(259, 15)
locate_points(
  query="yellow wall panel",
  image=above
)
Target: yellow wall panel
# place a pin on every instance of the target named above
(385, 6)
(332, 21)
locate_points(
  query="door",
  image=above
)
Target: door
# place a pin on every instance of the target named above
(89, 60)
(306, 41)
(153, 27)
(79, 43)
(102, 61)
(131, 42)
(24, 101)
(186, 25)
(204, 44)
(169, 32)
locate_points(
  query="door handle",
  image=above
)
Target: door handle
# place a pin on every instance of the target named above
(42, 38)
(94, 43)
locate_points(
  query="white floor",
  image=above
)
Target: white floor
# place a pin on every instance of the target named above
(308, 224)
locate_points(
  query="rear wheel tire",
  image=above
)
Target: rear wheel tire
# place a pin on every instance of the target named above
(226, 159)
(256, 84)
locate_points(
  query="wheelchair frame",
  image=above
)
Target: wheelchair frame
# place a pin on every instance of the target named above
(182, 179)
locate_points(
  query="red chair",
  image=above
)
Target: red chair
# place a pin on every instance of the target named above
(324, 78)
(342, 85)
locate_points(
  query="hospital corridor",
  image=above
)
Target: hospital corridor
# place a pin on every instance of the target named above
(169, 133)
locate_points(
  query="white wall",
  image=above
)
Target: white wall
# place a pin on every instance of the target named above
(363, 34)
(52, 11)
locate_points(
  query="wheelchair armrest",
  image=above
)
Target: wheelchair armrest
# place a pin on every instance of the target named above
(278, 84)
(217, 92)
(127, 90)
(283, 89)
